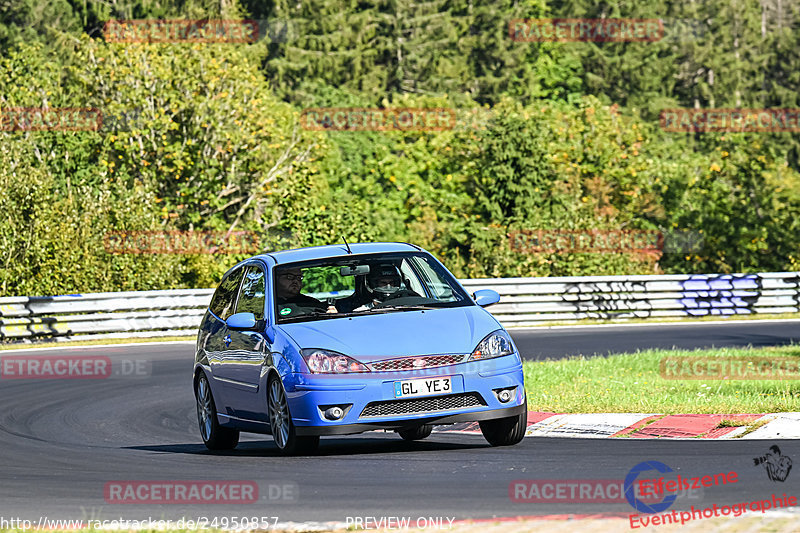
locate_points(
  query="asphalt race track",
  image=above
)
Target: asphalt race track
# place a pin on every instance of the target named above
(63, 440)
(556, 343)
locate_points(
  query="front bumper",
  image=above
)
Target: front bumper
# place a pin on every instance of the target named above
(308, 396)
(350, 429)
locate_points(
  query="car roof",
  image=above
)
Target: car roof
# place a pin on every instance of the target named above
(338, 250)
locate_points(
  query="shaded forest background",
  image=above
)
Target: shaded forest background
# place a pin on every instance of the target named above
(549, 135)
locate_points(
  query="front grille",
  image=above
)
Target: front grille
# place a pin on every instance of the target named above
(423, 405)
(415, 363)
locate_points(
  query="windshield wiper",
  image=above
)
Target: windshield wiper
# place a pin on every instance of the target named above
(317, 314)
(410, 307)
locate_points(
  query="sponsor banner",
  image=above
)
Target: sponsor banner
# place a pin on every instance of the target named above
(580, 29)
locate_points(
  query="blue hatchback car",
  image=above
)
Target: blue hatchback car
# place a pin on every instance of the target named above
(342, 339)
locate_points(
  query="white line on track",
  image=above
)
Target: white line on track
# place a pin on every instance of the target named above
(655, 324)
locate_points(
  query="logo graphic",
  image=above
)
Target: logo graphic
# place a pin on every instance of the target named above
(778, 466)
(638, 504)
(286, 311)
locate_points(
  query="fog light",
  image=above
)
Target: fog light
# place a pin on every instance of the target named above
(334, 413)
(504, 396)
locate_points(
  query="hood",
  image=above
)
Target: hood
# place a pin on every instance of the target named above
(371, 338)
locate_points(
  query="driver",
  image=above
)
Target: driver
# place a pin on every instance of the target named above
(383, 283)
(288, 283)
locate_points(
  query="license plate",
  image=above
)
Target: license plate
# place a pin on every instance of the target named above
(422, 387)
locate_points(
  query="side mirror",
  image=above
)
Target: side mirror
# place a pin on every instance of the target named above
(241, 321)
(486, 297)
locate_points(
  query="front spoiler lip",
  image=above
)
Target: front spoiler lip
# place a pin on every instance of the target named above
(350, 429)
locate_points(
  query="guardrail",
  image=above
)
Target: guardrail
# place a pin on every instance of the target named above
(532, 301)
(524, 302)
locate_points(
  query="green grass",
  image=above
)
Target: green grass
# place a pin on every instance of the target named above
(630, 383)
(725, 423)
(751, 428)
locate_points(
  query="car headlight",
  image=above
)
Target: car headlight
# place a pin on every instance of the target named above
(327, 362)
(496, 344)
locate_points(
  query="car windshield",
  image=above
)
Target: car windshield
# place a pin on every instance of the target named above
(361, 285)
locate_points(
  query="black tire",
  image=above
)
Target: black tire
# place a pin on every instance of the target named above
(215, 437)
(417, 433)
(281, 425)
(505, 431)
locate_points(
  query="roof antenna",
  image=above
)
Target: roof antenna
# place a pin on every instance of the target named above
(349, 251)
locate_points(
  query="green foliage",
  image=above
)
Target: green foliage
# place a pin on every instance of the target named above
(560, 136)
(746, 206)
(435, 48)
(52, 239)
(210, 149)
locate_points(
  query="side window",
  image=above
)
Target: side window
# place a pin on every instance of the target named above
(436, 285)
(252, 298)
(411, 277)
(224, 299)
